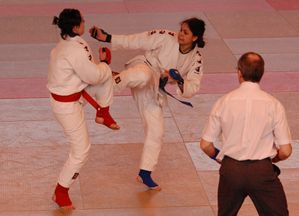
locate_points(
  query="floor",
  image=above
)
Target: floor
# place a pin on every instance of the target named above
(33, 147)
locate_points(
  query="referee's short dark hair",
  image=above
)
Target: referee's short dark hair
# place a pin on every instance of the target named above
(251, 66)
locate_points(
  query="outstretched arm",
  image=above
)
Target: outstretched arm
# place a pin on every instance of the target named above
(100, 34)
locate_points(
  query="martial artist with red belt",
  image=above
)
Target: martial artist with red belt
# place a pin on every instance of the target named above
(72, 74)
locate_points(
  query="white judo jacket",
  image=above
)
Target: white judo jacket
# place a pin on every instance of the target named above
(162, 53)
(72, 67)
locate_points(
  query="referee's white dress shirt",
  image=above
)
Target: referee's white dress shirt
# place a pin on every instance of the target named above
(249, 123)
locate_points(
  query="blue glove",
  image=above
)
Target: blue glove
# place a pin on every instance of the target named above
(174, 74)
(216, 153)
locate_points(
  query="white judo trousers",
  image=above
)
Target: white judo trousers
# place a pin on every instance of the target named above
(71, 117)
(75, 129)
(143, 83)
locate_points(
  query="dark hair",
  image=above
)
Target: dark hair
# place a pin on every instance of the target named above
(197, 28)
(67, 20)
(251, 66)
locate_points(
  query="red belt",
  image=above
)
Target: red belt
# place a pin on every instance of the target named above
(75, 97)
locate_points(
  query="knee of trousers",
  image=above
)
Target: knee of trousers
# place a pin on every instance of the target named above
(140, 78)
(153, 145)
(78, 159)
(154, 133)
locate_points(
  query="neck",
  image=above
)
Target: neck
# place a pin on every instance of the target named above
(185, 48)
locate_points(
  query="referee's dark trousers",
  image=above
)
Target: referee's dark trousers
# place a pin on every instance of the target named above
(253, 178)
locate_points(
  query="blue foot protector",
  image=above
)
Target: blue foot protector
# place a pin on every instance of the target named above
(147, 179)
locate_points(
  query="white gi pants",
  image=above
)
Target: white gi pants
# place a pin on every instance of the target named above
(75, 129)
(141, 79)
(71, 117)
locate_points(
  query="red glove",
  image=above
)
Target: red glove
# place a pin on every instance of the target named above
(108, 55)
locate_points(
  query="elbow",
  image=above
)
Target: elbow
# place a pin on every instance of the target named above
(104, 73)
(285, 155)
(285, 152)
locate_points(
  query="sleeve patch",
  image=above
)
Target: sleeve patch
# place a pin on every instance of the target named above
(171, 33)
(117, 80)
(152, 32)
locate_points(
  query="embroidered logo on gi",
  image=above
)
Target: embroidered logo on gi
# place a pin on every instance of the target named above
(75, 175)
(197, 70)
(117, 80)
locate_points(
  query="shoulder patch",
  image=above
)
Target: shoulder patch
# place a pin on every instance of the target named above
(171, 33)
(152, 32)
(161, 31)
(85, 47)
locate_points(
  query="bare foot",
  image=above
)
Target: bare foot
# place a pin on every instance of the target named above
(156, 188)
(113, 126)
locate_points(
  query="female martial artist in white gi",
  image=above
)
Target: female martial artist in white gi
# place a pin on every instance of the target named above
(72, 74)
(164, 50)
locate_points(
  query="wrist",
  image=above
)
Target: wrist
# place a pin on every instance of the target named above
(215, 154)
(108, 38)
(276, 159)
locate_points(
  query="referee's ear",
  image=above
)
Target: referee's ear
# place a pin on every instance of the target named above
(240, 76)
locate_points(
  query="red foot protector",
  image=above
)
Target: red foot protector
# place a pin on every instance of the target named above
(61, 196)
(104, 113)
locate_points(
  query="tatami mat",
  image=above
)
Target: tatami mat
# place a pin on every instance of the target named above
(32, 144)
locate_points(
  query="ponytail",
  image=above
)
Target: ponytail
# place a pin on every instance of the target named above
(55, 20)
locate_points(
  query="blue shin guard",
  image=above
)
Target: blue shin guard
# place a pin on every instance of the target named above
(145, 177)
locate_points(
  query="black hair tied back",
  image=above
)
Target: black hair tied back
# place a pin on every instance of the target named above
(200, 42)
(55, 20)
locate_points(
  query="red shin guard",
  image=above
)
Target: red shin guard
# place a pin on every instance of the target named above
(62, 196)
(103, 112)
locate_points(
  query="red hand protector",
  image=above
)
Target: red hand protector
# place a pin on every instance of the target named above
(108, 55)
